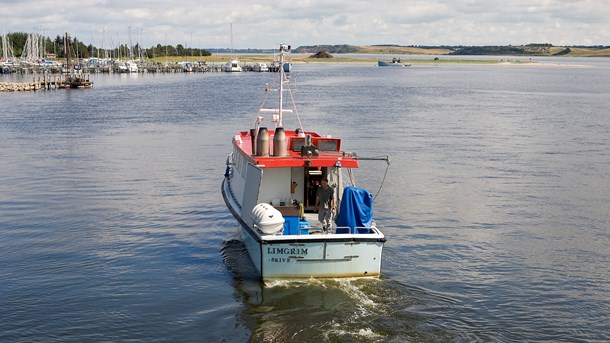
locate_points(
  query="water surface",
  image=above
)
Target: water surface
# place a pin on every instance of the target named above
(113, 228)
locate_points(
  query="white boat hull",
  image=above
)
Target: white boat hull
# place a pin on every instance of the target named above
(319, 257)
(313, 255)
(233, 66)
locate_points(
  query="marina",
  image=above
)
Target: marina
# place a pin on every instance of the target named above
(51, 78)
(142, 67)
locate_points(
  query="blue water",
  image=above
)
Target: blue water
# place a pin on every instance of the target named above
(113, 228)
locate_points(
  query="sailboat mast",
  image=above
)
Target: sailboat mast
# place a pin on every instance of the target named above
(67, 49)
(232, 50)
(130, 46)
(4, 46)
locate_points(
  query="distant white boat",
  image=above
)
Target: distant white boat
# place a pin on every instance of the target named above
(187, 67)
(132, 66)
(233, 66)
(260, 67)
(394, 63)
(128, 67)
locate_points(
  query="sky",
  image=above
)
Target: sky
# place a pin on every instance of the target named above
(206, 24)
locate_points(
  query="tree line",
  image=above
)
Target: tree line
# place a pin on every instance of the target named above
(78, 49)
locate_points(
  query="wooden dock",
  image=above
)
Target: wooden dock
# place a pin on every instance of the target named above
(48, 82)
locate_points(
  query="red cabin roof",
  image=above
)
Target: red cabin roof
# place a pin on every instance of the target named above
(325, 151)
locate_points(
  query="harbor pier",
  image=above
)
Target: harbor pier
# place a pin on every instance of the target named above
(48, 82)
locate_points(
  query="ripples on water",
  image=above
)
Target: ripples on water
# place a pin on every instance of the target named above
(113, 228)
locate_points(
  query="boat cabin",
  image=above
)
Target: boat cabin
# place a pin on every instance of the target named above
(289, 166)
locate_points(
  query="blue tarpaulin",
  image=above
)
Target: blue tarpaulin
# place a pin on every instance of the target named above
(356, 208)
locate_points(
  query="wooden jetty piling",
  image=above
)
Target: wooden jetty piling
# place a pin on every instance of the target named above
(48, 82)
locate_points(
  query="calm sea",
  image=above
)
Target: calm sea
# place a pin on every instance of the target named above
(496, 206)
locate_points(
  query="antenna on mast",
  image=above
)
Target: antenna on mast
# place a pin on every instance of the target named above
(283, 48)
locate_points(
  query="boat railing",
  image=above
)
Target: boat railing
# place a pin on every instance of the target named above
(354, 230)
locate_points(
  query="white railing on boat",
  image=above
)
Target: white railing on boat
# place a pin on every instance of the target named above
(274, 111)
(340, 231)
(358, 230)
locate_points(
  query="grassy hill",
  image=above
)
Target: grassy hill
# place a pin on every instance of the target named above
(372, 49)
(588, 52)
(429, 54)
(512, 50)
(533, 50)
(403, 50)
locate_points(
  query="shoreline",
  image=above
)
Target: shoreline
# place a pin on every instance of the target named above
(215, 64)
(436, 60)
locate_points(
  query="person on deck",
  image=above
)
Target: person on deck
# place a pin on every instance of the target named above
(325, 201)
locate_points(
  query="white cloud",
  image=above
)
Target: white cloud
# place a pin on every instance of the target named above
(307, 22)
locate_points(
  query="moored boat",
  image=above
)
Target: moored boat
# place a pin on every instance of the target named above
(233, 66)
(396, 62)
(128, 67)
(270, 187)
(260, 67)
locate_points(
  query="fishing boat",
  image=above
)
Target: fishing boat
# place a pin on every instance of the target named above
(270, 186)
(396, 62)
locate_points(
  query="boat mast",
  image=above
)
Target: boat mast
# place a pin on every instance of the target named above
(232, 50)
(5, 44)
(67, 50)
(281, 85)
(283, 48)
(130, 45)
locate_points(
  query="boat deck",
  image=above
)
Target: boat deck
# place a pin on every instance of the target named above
(315, 227)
